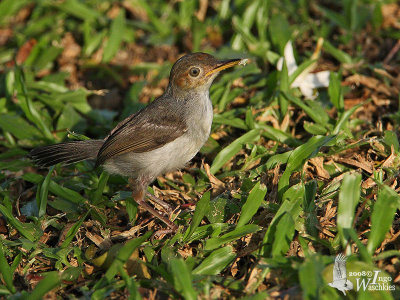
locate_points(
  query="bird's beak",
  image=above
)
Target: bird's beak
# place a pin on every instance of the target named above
(225, 64)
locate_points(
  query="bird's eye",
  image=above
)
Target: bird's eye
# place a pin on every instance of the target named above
(194, 72)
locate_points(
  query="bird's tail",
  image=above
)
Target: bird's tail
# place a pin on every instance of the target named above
(67, 153)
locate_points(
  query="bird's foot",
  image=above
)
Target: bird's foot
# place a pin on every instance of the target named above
(160, 202)
(156, 214)
(139, 192)
(161, 232)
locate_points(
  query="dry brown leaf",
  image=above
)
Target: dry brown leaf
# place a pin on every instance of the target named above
(395, 81)
(369, 183)
(390, 160)
(201, 13)
(137, 10)
(128, 234)
(330, 211)
(95, 238)
(113, 12)
(64, 232)
(318, 163)
(255, 277)
(364, 165)
(135, 266)
(5, 34)
(25, 50)
(239, 101)
(327, 232)
(269, 118)
(370, 82)
(285, 123)
(217, 185)
(71, 48)
(391, 15)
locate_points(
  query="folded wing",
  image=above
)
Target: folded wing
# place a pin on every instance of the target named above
(143, 132)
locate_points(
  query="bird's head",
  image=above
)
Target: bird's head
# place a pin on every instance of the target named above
(197, 71)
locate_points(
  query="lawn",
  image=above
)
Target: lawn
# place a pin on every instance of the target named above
(302, 163)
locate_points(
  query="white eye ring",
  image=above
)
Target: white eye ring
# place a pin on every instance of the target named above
(194, 72)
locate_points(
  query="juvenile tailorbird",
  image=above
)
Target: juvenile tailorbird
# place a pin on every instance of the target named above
(160, 138)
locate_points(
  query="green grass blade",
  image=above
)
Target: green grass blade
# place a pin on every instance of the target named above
(30, 111)
(252, 204)
(15, 263)
(100, 187)
(228, 152)
(234, 122)
(17, 224)
(314, 129)
(281, 158)
(56, 189)
(344, 117)
(350, 234)
(284, 235)
(79, 9)
(47, 57)
(284, 88)
(390, 139)
(158, 24)
(115, 37)
(223, 101)
(73, 230)
(215, 242)
(201, 209)
(42, 193)
(6, 271)
(385, 207)
(182, 279)
(51, 281)
(278, 135)
(318, 116)
(341, 56)
(335, 91)
(18, 127)
(349, 196)
(123, 255)
(281, 36)
(310, 277)
(131, 209)
(130, 283)
(216, 262)
(206, 230)
(298, 157)
(292, 200)
(9, 8)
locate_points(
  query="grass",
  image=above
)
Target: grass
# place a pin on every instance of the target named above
(283, 185)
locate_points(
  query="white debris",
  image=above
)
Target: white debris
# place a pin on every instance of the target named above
(306, 81)
(243, 62)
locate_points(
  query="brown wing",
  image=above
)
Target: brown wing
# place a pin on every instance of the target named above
(149, 129)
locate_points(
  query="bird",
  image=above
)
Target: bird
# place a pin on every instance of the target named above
(340, 280)
(162, 137)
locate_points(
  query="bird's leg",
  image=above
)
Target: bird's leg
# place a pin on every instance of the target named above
(138, 194)
(163, 204)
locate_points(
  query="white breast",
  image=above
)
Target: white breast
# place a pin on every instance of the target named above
(173, 155)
